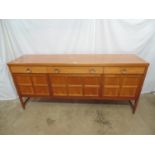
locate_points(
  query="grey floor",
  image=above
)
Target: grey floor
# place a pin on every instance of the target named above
(44, 116)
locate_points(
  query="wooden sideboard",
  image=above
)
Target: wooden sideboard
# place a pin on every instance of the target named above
(100, 76)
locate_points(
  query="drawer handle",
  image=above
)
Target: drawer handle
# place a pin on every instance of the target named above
(56, 70)
(124, 71)
(28, 70)
(92, 70)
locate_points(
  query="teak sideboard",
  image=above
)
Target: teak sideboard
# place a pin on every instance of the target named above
(93, 76)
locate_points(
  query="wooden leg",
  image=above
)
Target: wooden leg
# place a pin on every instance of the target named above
(23, 102)
(134, 105)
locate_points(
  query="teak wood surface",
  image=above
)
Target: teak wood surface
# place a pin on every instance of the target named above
(93, 76)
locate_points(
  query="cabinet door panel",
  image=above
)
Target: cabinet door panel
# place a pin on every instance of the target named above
(75, 91)
(32, 84)
(111, 91)
(128, 91)
(131, 80)
(26, 90)
(23, 79)
(112, 80)
(41, 90)
(58, 85)
(59, 91)
(91, 80)
(130, 85)
(58, 80)
(39, 80)
(91, 90)
(24, 84)
(74, 80)
(111, 86)
(92, 86)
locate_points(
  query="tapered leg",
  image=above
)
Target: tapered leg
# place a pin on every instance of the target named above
(134, 105)
(23, 103)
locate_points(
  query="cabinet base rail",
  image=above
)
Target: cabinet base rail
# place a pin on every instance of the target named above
(133, 103)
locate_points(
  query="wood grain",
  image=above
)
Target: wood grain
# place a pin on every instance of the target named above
(115, 77)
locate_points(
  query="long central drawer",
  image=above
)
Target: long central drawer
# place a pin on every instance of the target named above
(72, 70)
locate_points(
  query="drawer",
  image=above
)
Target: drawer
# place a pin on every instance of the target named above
(27, 69)
(124, 70)
(70, 70)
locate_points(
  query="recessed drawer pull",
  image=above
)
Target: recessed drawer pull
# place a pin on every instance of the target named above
(124, 71)
(92, 70)
(28, 70)
(56, 70)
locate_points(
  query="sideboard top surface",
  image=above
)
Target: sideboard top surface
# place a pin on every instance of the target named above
(79, 59)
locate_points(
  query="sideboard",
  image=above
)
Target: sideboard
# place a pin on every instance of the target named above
(80, 76)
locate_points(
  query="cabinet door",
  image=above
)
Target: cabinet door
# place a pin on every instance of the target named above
(66, 85)
(40, 84)
(92, 86)
(24, 84)
(121, 86)
(58, 85)
(75, 85)
(59, 90)
(32, 84)
(75, 90)
(111, 85)
(130, 85)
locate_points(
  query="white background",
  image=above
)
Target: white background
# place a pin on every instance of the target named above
(65, 36)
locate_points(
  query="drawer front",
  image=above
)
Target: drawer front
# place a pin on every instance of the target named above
(124, 70)
(27, 69)
(90, 70)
